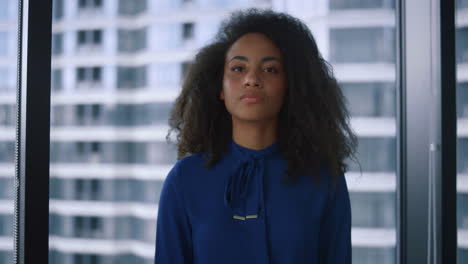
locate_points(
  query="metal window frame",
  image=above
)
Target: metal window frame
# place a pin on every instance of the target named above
(31, 244)
(425, 99)
(427, 130)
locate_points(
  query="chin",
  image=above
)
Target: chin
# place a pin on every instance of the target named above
(253, 117)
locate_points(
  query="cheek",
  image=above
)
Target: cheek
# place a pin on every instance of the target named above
(229, 90)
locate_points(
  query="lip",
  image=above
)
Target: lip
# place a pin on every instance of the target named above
(251, 96)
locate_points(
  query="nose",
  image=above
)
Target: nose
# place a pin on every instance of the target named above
(252, 79)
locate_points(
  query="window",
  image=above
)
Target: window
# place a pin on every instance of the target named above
(6, 225)
(376, 154)
(87, 259)
(88, 77)
(462, 159)
(187, 31)
(84, 4)
(7, 115)
(358, 4)
(57, 44)
(368, 255)
(5, 76)
(185, 68)
(88, 114)
(462, 100)
(89, 40)
(132, 7)
(4, 43)
(461, 40)
(88, 189)
(131, 167)
(376, 99)
(377, 209)
(96, 111)
(57, 9)
(462, 4)
(4, 14)
(88, 226)
(462, 45)
(6, 148)
(56, 79)
(131, 40)
(131, 77)
(362, 45)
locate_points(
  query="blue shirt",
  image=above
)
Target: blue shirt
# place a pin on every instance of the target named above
(238, 211)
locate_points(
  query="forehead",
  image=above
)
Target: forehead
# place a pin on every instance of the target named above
(253, 45)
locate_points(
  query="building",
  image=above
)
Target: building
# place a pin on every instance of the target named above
(116, 69)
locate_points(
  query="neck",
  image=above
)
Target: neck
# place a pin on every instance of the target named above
(254, 135)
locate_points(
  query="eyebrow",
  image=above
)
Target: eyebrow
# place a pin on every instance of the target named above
(243, 58)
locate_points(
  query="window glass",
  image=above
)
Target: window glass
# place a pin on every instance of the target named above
(108, 151)
(461, 37)
(8, 111)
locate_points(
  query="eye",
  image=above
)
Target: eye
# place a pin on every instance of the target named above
(237, 68)
(271, 69)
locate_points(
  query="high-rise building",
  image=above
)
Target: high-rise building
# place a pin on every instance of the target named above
(117, 66)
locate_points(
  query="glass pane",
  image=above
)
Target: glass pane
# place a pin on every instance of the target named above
(113, 86)
(363, 56)
(8, 108)
(461, 37)
(109, 114)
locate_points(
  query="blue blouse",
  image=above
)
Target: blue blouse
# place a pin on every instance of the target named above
(238, 211)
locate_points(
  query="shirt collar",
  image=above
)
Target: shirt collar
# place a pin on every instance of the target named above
(244, 187)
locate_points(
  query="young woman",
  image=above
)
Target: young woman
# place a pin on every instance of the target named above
(262, 133)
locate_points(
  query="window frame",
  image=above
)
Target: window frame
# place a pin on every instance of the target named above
(424, 27)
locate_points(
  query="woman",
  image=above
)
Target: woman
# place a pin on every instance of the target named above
(262, 133)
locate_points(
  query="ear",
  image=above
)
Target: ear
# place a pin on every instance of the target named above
(221, 95)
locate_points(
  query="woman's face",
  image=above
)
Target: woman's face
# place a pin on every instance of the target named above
(254, 80)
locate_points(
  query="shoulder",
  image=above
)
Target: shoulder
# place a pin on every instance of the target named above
(333, 185)
(185, 167)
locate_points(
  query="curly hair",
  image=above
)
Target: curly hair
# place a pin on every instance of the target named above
(313, 128)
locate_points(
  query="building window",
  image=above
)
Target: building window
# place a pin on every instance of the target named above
(459, 5)
(462, 45)
(5, 84)
(87, 259)
(376, 154)
(373, 210)
(132, 7)
(57, 44)
(362, 45)
(89, 4)
(89, 114)
(56, 79)
(96, 111)
(185, 68)
(361, 4)
(6, 148)
(462, 210)
(462, 155)
(6, 225)
(370, 99)
(4, 14)
(57, 9)
(4, 44)
(88, 77)
(7, 114)
(89, 40)
(462, 100)
(187, 31)
(89, 189)
(131, 77)
(131, 40)
(88, 226)
(371, 255)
